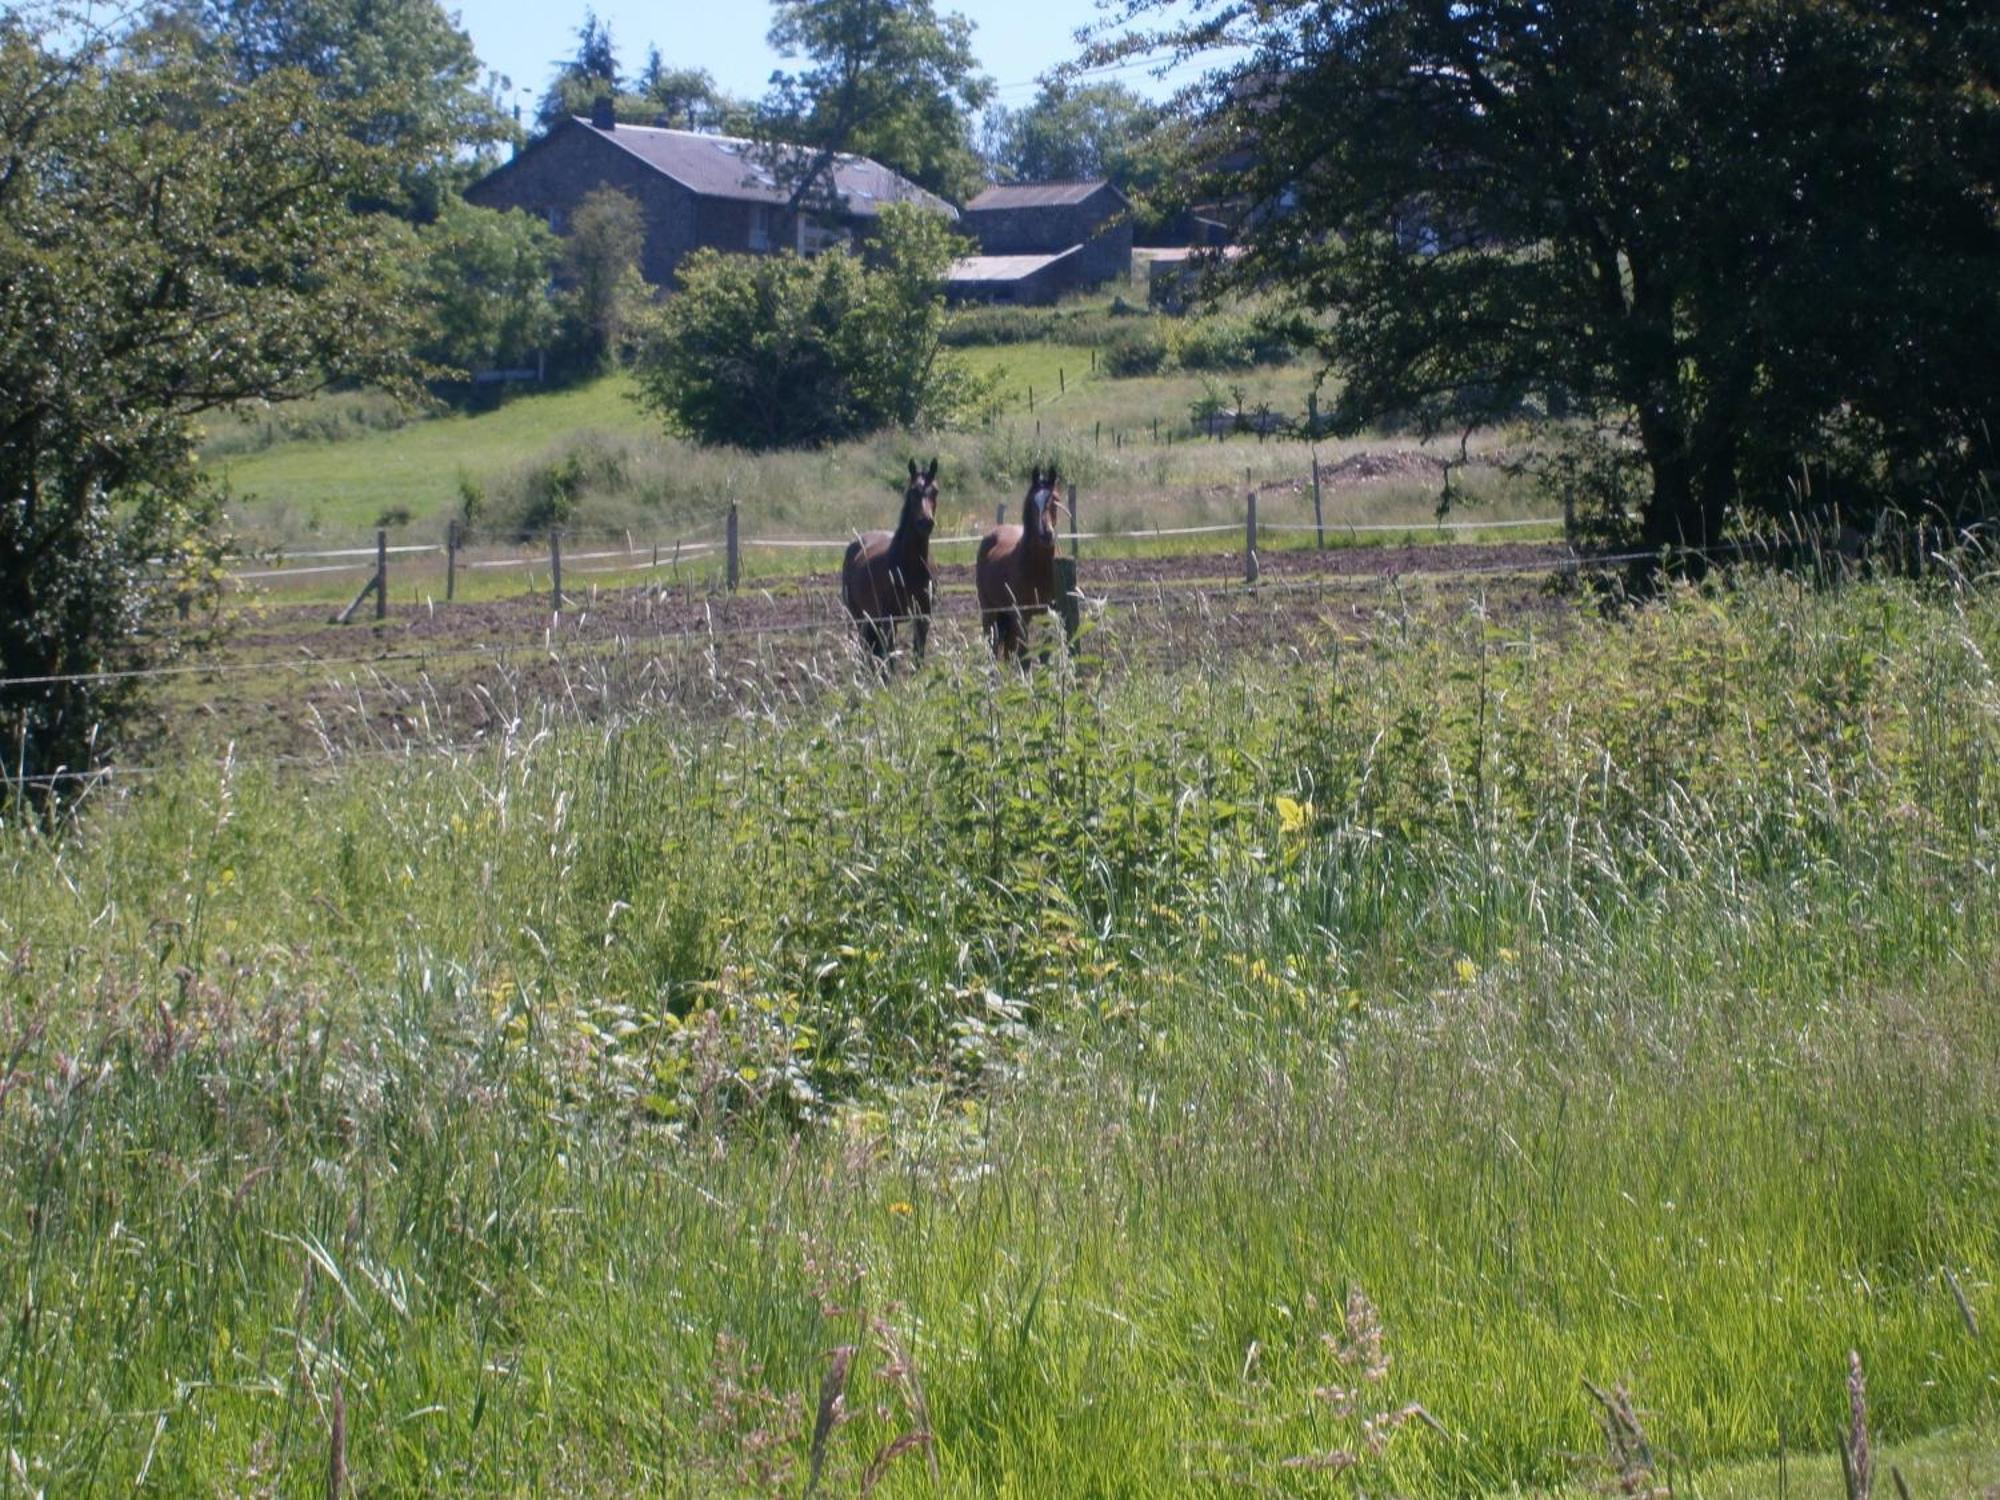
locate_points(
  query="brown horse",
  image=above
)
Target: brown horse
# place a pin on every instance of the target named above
(1016, 567)
(887, 576)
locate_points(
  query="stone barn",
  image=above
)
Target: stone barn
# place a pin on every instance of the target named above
(1053, 219)
(693, 190)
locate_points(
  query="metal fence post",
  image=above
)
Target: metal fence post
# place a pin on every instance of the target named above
(450, 561)
(735, 564)
(555, 569)
(381, 573)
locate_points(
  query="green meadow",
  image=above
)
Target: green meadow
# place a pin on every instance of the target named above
(1302, 1074)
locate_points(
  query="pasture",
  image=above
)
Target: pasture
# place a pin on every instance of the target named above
(1284, 1048)
(591, 460)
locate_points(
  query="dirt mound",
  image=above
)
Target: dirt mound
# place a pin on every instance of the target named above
(1403, 463)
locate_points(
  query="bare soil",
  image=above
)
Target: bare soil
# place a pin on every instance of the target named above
(290, 685)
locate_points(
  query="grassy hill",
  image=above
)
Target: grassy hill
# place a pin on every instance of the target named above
(1126, 444)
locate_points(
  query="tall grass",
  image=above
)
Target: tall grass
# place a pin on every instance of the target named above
(1159, 1082)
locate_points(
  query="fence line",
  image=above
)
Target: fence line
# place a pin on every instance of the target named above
(713, 633)
(830, 544)
(835, 623)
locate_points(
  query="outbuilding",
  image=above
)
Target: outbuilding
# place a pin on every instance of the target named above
(1053, 218)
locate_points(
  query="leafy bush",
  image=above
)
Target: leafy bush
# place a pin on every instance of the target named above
(550, 490)
(1225, 343)
(483, 284)
(778, 352)
(1136, 351)
(1084, 327)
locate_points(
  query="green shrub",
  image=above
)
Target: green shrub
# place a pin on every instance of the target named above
(1226, 343)
(1140, 350)
(777, 352)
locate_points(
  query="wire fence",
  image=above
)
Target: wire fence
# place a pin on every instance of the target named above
(1202, 604)
(838, 622)
(725, 538)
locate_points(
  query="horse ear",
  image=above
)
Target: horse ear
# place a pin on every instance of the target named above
(913, 471)
(1052, 473)
(931, 473)
(1035, 480)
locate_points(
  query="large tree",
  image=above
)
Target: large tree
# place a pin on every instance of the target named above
(1751, 244)
(173, 240)
(889, 79)
(659, 94)
(404, 70)
(604, 293)
(589, 74)
(1072, 131)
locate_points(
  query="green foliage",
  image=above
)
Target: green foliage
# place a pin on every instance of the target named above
(1235, 1051)
(1228, 343)
(887, 79)
(485, 282)
(775, 351)
(1072, 132)
(588, 75)
(172, 242)
(404, 68)
(604, 294)
(1143, 350)
(1754, 245)
(1086, 326)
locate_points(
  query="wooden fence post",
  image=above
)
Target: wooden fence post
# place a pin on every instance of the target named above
(1069, 603)
(450, 561)
(381, 573)
(1075, 525)
(1319, 516)
(555, 569)
(1312, 443)
(1000, 514)
(734, 564)
(1250, 539)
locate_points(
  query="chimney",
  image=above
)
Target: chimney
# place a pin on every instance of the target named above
(601, 113)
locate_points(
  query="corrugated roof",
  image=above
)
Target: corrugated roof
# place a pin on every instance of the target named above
(984, 268)
(725, 166)
(1036, 195)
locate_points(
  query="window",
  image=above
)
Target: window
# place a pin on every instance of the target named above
(815, 237)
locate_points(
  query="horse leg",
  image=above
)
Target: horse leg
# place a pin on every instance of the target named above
(920, 633)
(871, 638)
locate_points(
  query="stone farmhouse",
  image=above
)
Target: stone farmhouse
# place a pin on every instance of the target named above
(693, 190)
(1038, 240)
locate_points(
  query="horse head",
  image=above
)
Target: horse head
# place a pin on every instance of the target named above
(920, 499)
(1038, 520)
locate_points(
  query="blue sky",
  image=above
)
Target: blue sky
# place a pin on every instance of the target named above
(1015, 40)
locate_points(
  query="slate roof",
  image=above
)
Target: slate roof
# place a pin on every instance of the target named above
(725, 166)
(979, 269)
(1037, 195)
